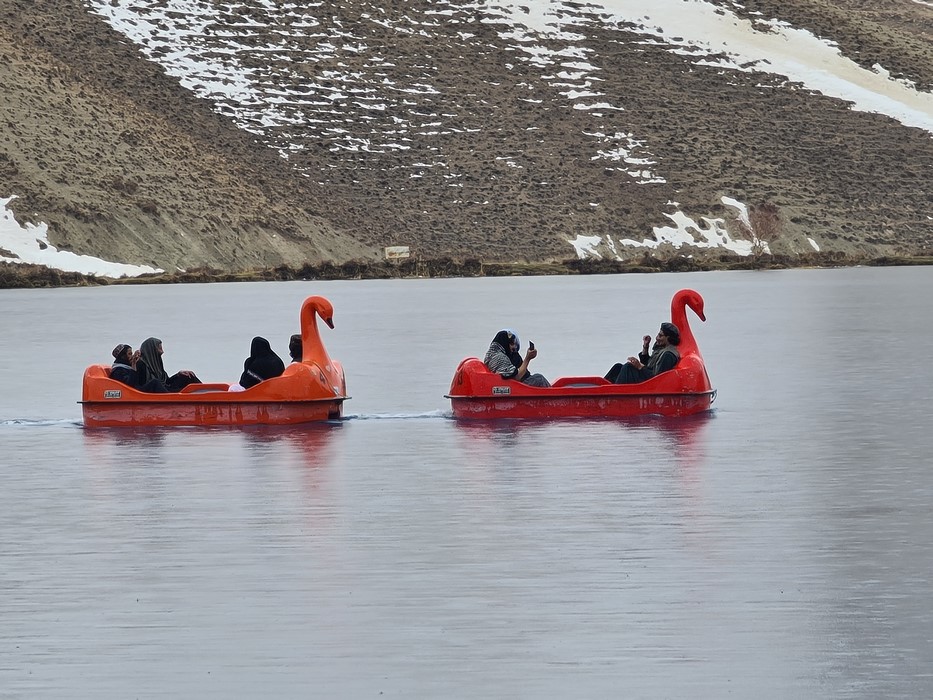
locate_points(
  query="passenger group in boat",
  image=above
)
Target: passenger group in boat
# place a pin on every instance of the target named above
(124, 370)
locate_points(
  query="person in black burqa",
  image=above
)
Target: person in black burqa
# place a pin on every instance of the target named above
(664, 356)
(149, 366)
(294, 347)
(261, 364)
(124, 370)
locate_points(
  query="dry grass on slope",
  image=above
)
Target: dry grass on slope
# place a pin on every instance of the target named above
(122, 163)
(125, 164)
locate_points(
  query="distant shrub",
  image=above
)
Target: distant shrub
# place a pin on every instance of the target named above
(763, 227)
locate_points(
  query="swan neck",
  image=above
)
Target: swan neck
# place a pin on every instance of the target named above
(312, 349)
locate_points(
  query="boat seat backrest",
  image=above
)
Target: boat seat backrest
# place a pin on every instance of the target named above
(98, 372)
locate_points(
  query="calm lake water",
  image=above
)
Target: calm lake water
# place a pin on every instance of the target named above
(778, 547)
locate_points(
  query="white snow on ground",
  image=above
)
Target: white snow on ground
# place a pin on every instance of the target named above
(709, 233)
(30, 244)
(782, 50)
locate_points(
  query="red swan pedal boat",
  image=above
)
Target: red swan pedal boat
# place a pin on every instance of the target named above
(475, 392)
(311, 390)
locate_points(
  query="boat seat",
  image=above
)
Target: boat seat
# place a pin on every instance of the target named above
(204, 388)
(97, 372)
(580, 381)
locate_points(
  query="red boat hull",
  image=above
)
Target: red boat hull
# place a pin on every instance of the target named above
(475, 392)
(478, 393)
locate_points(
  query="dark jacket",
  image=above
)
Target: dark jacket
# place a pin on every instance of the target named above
(661, 360)
(132, 378)
(149, 367)
(261, 364)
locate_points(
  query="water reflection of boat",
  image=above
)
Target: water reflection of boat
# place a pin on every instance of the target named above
(475, 392)
(144, 441)
(310, 441)
(679, 431)
(681, 437)
(311, 390)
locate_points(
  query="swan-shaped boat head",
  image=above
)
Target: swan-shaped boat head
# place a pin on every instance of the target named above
(682, 299)
(691, 368)
(313, 352)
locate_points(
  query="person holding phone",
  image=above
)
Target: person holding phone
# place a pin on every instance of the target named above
(505, 359)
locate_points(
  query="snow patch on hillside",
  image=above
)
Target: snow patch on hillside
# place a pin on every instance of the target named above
(685, 231)
(30, 244)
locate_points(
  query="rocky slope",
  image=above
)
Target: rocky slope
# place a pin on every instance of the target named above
(435, 126)
(124, 164)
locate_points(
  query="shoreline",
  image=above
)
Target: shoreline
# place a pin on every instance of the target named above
(29, 276)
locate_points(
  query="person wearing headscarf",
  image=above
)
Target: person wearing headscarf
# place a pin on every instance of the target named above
(124, 371)
(502, 356)
(515, 353)
(261, 364)
(294, 347)
(664, 356)
(149, 366)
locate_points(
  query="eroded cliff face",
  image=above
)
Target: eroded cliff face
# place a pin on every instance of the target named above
(362, 126)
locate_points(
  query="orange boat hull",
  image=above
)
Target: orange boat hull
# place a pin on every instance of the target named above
(300, 395)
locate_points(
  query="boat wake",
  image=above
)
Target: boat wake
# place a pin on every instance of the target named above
(41, 423)
(77, 423)
(439, 413)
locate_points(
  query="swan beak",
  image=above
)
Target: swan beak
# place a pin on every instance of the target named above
(329, 322)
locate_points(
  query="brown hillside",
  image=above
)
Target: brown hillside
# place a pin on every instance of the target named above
(124, 164)
(435, 131)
